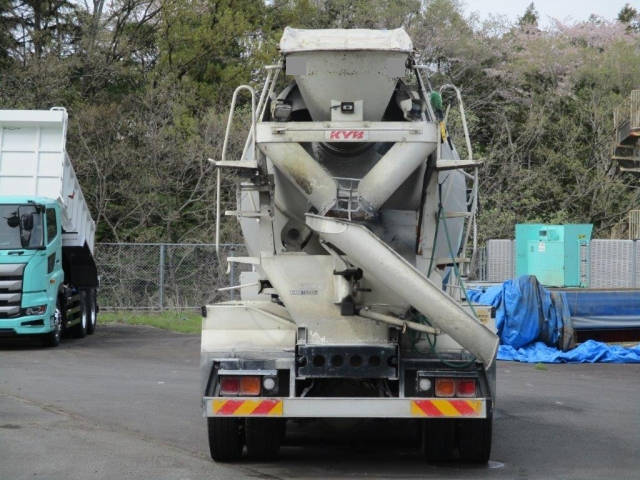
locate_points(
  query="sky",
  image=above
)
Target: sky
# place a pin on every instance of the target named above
(565, 10)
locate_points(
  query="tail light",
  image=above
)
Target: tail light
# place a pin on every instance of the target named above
(466, 387)
(249, 385)
(445, 387)
(229, 385)
(460, 387)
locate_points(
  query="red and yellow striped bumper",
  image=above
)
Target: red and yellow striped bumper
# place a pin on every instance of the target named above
(334, 407)
(440, 407)
(247, 408)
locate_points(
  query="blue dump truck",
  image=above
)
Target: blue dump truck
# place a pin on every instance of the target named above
(48, 276)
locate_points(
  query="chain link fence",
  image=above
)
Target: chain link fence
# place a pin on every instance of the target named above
(604, 263)
(151, 276)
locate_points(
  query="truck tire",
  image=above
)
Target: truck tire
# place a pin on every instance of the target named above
(474, 439)
(225, 439)
(438, 440)
(92, 311)
(80, 330)
(52, 339)
(263, 436)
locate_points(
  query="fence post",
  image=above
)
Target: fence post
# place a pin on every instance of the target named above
(161, 279)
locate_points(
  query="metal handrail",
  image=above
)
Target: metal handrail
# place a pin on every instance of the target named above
(225, 144)
(472, 223)
(628, 112)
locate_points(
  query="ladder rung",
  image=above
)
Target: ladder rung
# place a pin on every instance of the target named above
(629, 159)
(247, 260)
(454, 164)
(457, 214)
(245, 214)
(235, 164)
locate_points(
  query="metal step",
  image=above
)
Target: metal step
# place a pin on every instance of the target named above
(457, 214)
(245, 260)
(455, 164)
(245, 214)
(626, 159)
(250, 164)
(446, 261)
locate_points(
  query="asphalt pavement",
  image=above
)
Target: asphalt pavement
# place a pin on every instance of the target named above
(124, 403)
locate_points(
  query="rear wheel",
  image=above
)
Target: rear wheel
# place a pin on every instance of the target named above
(80, 330)
(92, 311)
(474, 439)
(225, 439)
(438, 440)
(263, 436)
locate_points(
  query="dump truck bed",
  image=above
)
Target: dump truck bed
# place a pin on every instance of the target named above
(34, 163)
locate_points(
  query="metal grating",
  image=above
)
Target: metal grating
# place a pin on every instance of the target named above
(613, 263)
(500, 260)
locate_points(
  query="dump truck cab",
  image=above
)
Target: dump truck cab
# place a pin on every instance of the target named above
(30, 265)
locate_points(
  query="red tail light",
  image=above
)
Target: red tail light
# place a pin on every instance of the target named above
(466, 387)
(229, 385)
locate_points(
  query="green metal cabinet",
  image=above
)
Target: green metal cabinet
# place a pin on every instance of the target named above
(551, 252)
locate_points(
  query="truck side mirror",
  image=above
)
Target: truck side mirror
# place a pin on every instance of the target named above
(27, 222)
(13, 221)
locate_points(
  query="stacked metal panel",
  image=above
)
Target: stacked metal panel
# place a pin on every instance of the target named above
(613, 263)
(603, 263)
(500, 260)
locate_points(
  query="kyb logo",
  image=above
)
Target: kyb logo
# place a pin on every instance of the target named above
(352, 135)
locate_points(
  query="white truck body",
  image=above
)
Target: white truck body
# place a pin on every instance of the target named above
(34, 162)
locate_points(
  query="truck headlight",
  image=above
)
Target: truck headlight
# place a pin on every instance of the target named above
(39, 310)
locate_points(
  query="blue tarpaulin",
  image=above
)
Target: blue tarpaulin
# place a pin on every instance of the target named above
(587, 352)
(525, 311)
(534, 325)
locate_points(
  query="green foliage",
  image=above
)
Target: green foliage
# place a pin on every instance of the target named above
(630, 17)
(530, 16)
(147, 85)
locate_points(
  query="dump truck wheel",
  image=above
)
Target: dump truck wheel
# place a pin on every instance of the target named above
(263, 436)
(92, 311)
(438, 440)
(474, 439)
(80, 330)
(225, 439)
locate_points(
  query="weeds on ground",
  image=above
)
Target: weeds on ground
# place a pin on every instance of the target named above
(183, 322)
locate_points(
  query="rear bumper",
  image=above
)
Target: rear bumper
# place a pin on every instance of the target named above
(335, 407)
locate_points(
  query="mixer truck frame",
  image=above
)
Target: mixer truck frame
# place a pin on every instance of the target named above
(48, 276)
(356, 210)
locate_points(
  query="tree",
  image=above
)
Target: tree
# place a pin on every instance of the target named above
(630, 17)
(530, 17)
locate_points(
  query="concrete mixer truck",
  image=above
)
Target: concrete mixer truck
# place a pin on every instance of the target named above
(356, 211)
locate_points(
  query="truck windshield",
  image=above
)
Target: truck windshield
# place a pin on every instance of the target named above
(20, 227)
